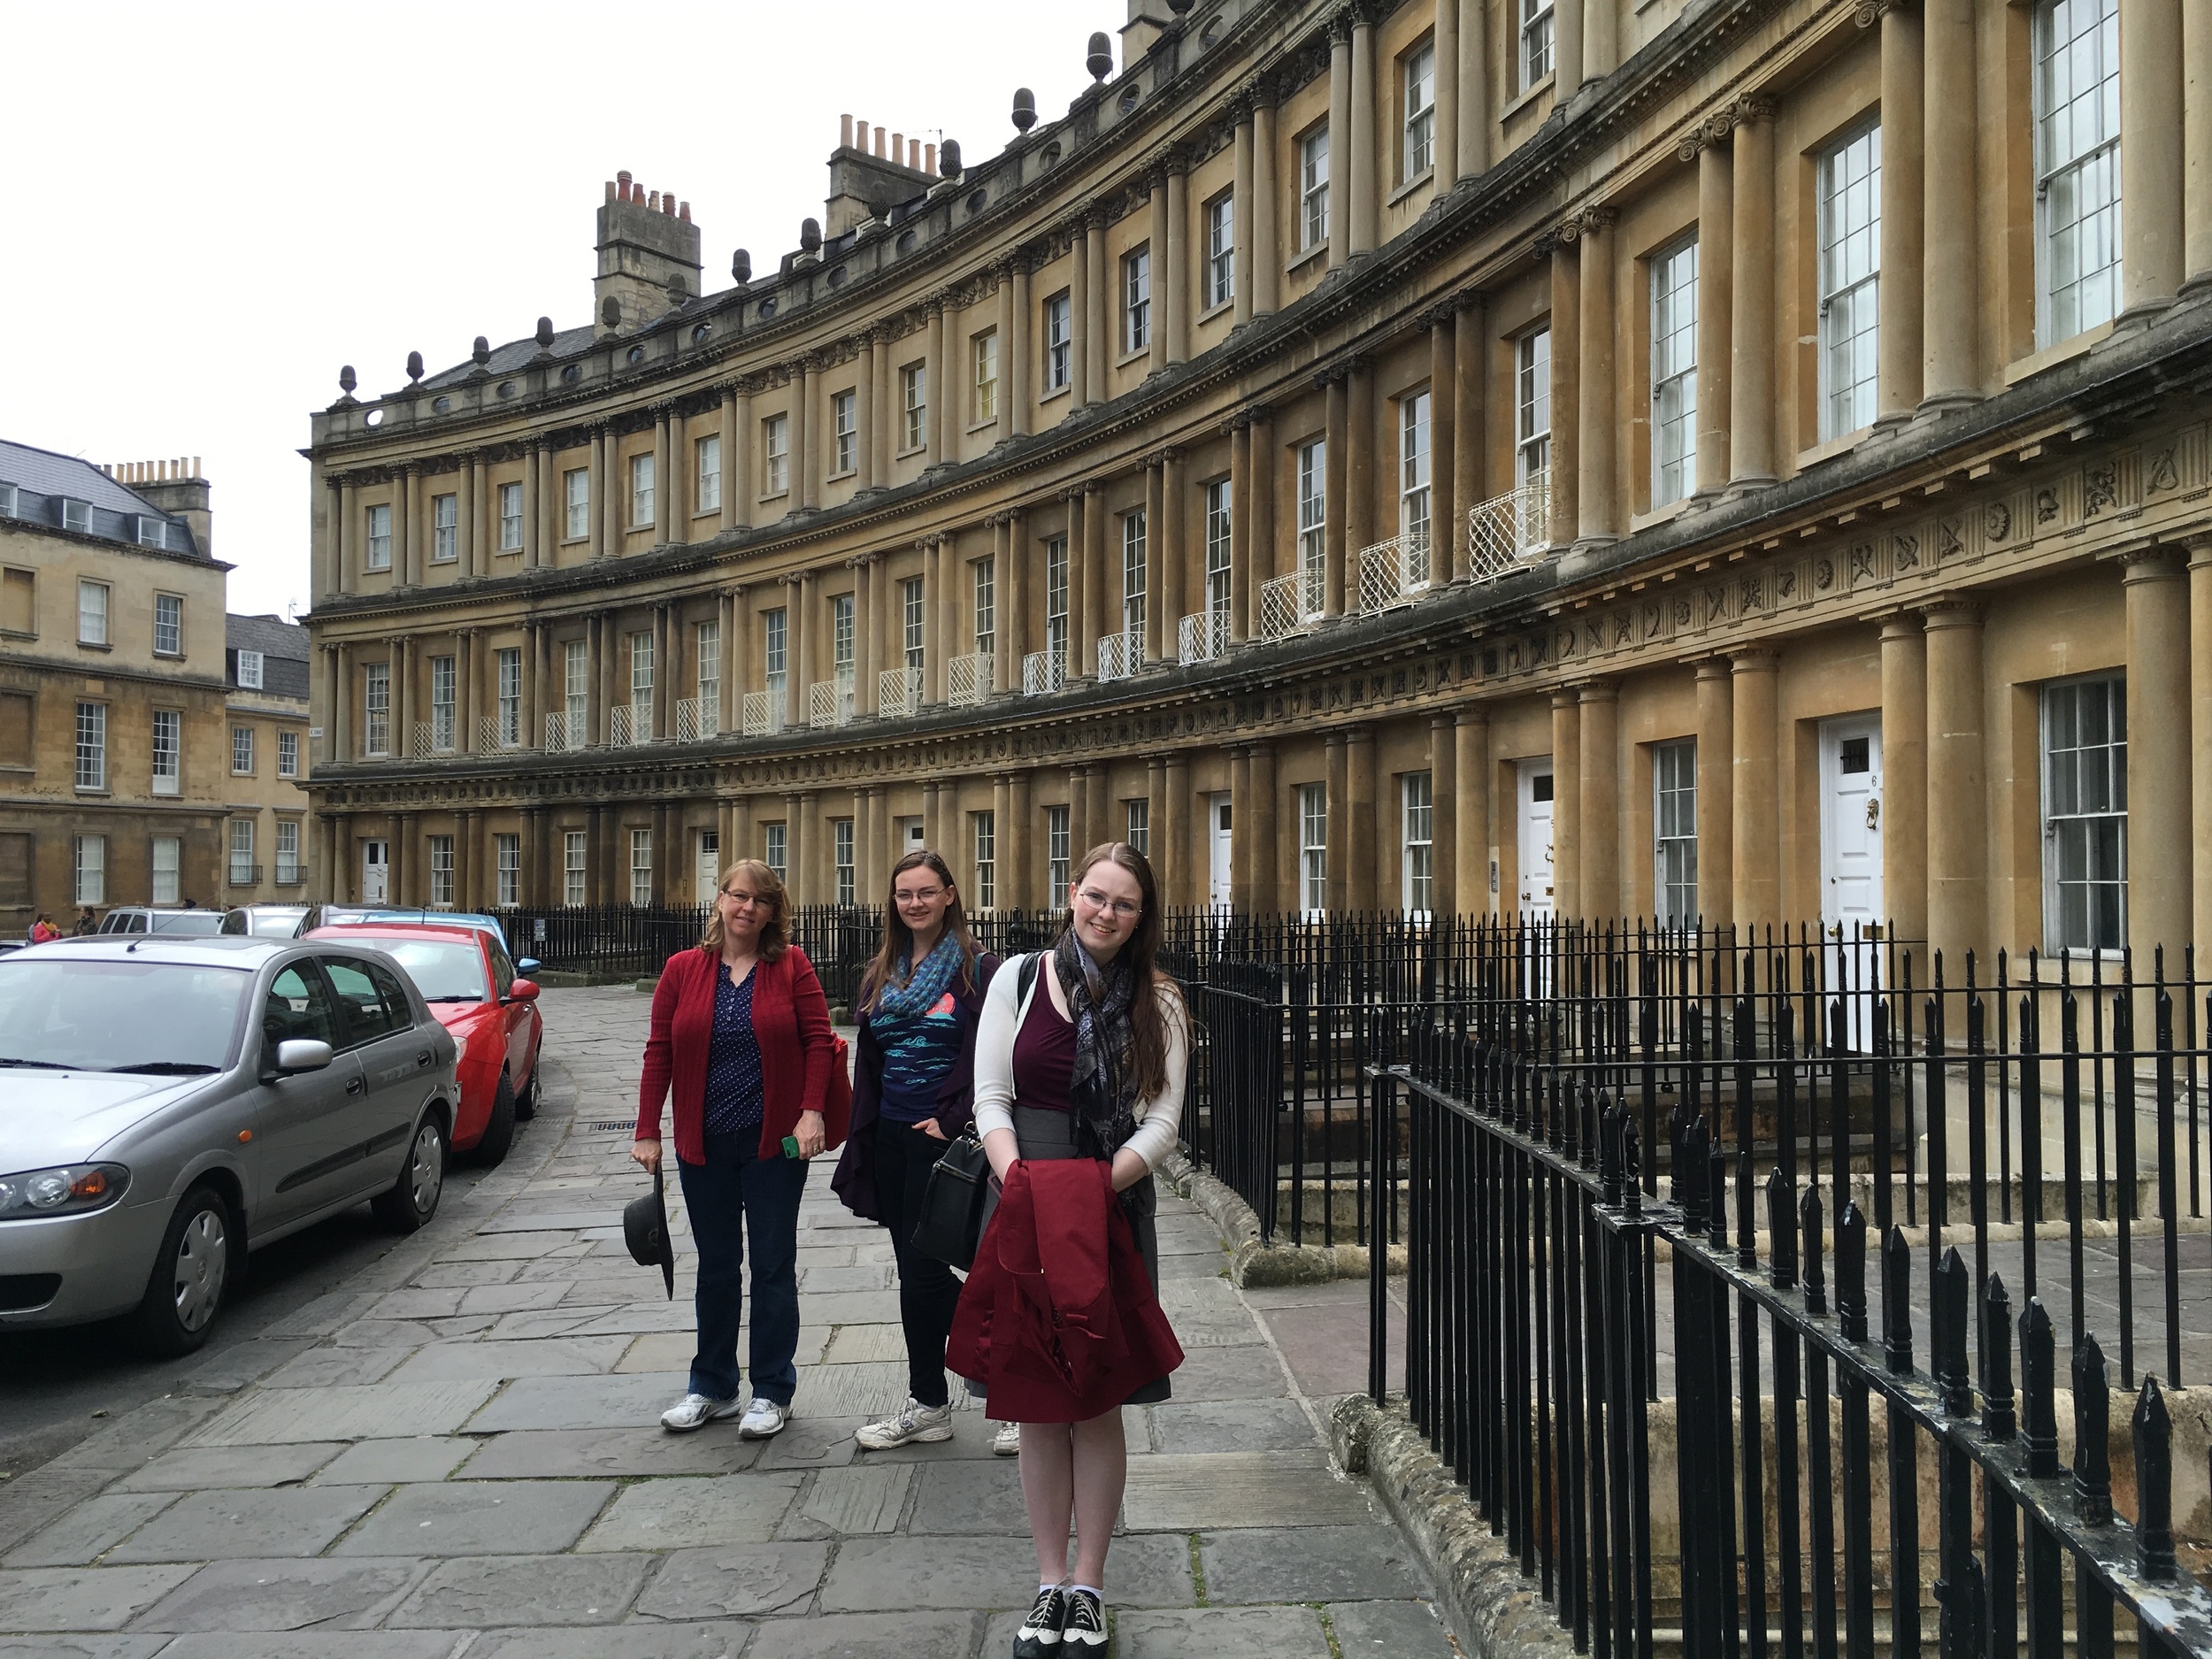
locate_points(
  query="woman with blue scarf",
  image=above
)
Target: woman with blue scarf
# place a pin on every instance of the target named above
(913, 1088)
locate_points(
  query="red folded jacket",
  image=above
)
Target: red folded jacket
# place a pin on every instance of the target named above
(1059, 1319)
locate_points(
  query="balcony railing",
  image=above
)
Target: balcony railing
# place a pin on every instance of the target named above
(764, 712)
(698, 718)
(1393, 572)
(290, 875)
(1203, 638)
(430, 738)
(899, 692)
(1511, 530)
(1043, 672)
(968, 680)
(494, 733)
(563, 734)
(830, 702)
(1288, 603)
(244, 875)
(630, 725)
(1120, 654)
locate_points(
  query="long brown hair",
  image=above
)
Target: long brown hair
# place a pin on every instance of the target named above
(774, 932)
(1148, 1019)
(889, 966)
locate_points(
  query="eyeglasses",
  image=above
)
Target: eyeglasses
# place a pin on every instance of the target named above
(744, 899)
(917, 895)
(1121, 908)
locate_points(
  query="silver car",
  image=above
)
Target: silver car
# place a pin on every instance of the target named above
(170, 1104)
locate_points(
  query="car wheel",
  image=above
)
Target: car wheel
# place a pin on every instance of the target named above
(526, 1103)
(499, 1129)
(411, 1200)
(190, 1278)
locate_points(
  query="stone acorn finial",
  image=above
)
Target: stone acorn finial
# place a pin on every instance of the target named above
(545, 333)
(481, 353)
(949, 158)
(1025, 109)
(414, 365)
(742, 267)
(811, 235)
(347, 380)
(1179, 7)
(1100, 61)
(611, 312)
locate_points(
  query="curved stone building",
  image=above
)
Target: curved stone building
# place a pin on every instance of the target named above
(1741, 458)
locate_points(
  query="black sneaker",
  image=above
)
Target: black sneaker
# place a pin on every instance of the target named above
(1039, 1638)
(1085, 1629)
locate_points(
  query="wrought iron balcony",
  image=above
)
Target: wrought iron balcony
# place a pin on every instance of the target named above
(1289, 603)
(630, 725)
(830, 702)
(497, 731)
(562, 732)
(765, 711)
(1203, 638)
(1511, 530)
(698, 718)
(899, 692)
(1120, 654)
(1043, 672)
(968, 680)
(1393, 572)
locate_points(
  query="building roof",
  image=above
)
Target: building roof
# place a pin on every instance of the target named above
(284, 654)
(43, 480)
(515, 354)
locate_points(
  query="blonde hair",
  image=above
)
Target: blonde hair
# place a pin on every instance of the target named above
(774, 932)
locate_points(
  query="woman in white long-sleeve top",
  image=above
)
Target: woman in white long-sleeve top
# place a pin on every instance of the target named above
(1080, 1054)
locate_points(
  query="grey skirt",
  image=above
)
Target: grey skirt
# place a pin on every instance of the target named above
(1049, 1134)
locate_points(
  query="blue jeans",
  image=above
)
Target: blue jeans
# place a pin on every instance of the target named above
(734, 1192)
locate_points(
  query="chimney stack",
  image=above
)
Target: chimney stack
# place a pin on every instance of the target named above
(175, 487)
(648, 250)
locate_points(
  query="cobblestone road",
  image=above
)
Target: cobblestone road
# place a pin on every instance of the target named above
(456, 1453)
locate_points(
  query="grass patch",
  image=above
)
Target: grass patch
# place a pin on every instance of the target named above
(1328, 1629)
(1198, 1571)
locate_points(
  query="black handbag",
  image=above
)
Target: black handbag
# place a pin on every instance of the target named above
(952, 1220)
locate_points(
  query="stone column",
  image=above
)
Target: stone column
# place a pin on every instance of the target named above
(1469, 66)
(1359, 472)
(1097, 615)
(1240, 584)
(596, 631)
(806, 463)
(1078, 825)
(1267, 238)
(1600, 50)
(1016, 844)
(1470, 367)
(663, 447)
(1255, 827)
(742, 432)
(2159, 852)
(1340, 147)
(1240, 827)
(730, 436)
(1362, 170)
(2152, 256)
(2196, 112)
(1715, 791)
(1600, 791)
(1904, 813)
(1566, 49)
(1240, 219)
(338, 743)
(1566, 388)
(1360, 786)
(933, 643)
(1336, 836)
(1099, 349)
(951, 387)
(612, 509)
(736, 658)
(1716, 306)
(1751, 421)
(1106, 824)
(876, 435)
(1006, 667)
(1951, 367)
(930, 815)
(1079, 319)
(1756, 898)
(1260, 541)
(1958, 836)
(1471, 823)
(1013, 618)
(1170, 278)
(1335, 435)
(464, 896)
(795, 848)
(1445, 41)
(534, 649)
(1448, 548)
(957, 583)
(1566, 806)
(348, 535)
(1014, 364)
(678, 484)
(1598, 518)
(1444, 807)
(1159, 632)
(2200, 549)
(1167, 598)
(330, 561)
(1007, 357)
(407, 563)
(533, 470)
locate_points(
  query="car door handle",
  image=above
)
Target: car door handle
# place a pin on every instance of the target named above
(425, 1058)
(357, 1085)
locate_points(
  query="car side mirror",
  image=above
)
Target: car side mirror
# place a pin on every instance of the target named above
(523, 991)
(301, 1054)
(528, 966)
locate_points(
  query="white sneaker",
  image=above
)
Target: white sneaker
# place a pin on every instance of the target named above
(694, 1411)
(763, 1418)
(913, 1421)
(1008, 1441)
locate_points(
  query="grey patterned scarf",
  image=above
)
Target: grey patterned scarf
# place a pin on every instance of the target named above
(1105, 1081)
(926, 981)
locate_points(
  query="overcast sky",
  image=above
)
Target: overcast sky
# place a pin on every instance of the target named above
(216, 207)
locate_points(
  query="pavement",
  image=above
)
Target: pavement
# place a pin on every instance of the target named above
(455, 1451)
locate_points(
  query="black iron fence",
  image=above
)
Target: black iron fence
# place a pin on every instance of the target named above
(1679, 1410)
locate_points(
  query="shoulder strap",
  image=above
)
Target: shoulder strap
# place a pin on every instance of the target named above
(1027, 979)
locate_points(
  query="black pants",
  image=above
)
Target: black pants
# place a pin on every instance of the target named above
(927, 1290)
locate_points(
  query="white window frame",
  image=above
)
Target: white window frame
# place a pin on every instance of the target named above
(238, 855)
(642, 867)
(1417, 79)
(441, 872)
(845, 432)
(913, 612)
(706, 658)
(1674, 301)
(775, 643)
(1136, 824)
(707, 468)
(984, 600)
(1313, 848)
(842, 641)
(1059, 860)
(776, 850)
(842, 860)
(252, 670)
(641, 665)
(2077, 178)
(168, 869)
(1674, 832)
(1313, 189)
(1414, 499)
(1850, 268)
(241, 751)
(2077, 806)
(1059, 337)
(1057, 599)
(986, 860)
(506, 870)
(92, 747)
(1536, 39)
(445, 529)
(1220, 541)
(445, 703)
(1133, 534)
(575, 866)
(914, 406)
(576, 498)
(76, 515)
(983, 361)
(168, 625)
(94, 608)
(167, 766)
(1221, 250)
(1313, 522)
(379, 534)
(1416, 836)
(288, 753)
(576, 686)
(510, 518)
(90, 869)
(376, 710)
(775, 455)
(288, 852)
(507, 668)
(644, 491)
(1136, 300)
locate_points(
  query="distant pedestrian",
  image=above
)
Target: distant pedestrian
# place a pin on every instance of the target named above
(42, 931)
(741, 1039)
(913, 1090)
(1078, 1093)
(86, 923)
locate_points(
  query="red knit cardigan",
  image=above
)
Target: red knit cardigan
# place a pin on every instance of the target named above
(790, 1018)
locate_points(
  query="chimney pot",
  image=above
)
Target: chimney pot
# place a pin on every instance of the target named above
(195, 466)
(683, 212)
(668, 204)
(878, 143)
(929, 157)
(611, 189)
(898, 148)
(653, 202)
(844, 132)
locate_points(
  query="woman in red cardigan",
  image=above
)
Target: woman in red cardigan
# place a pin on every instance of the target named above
(740, 1037)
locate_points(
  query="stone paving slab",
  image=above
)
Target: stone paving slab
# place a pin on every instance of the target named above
(478, 1590)
(851, 1502)
(97, 1524)
(282, 1595)
(480, 1517)
(718, 1639)
(1290, 1489)
(60, 1647)
(378, 1412)
(393, 1461)
(1221, 1632)
(1307, 1563)
(93, 1598)
(960, 1572)
(580, 1402)
(551, 1454)
(557, 1357)
(756, 1581)
(695, 1513)
(438, 1644)
(228, 1525)
(1390, 1630)
(868, 1636)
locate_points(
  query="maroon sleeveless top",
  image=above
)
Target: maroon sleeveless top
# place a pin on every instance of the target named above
(1044, 1055)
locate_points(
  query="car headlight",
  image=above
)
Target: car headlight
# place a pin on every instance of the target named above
(70, 1190)
(460, 1047)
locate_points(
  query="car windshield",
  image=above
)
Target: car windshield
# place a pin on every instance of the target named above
(209, 921)
(110, 1014)
(272, 923)
(443, 970)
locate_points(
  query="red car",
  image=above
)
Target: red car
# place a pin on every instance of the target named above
(470, 982)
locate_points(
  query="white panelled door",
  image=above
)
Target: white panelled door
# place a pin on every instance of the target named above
(1218, 820)
(709, 863)
(376, 872)
(1537, 892)
(1851, 864)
